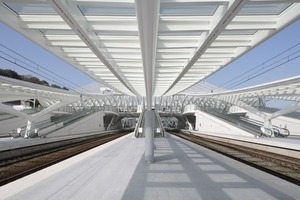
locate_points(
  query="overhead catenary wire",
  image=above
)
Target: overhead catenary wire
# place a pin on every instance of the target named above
(32, 71)
(49, 75)
(262, 68)
(276, 66)
(267, 68)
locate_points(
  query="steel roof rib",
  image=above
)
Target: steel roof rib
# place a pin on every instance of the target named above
(225, 19)
(243, 33)
(147, 15)
(149, 48)
(73, 21)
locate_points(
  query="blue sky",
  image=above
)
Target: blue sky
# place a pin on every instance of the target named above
(273, 46)
(37, 54)
(280, 42)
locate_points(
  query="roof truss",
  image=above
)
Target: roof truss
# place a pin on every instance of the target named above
(149, 48)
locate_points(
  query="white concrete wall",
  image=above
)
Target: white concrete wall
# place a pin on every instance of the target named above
(7, 125)
(190, 108)
(10, 124)
(89, 124)
(209, 124)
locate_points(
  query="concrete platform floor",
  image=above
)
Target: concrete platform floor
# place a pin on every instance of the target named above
(182, 170)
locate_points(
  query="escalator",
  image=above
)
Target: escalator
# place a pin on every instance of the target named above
(45, 127)
(250, 125)
(236, 121)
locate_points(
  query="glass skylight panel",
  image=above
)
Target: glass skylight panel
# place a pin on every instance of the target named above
(87, 59)
(53, 26)
(117, 32)
(174, 75)
(238, 32)
(127, 56)
(192, 79)
(107, 77)
(98, 18)
(106, 10)
(57, 32)
(102, 70)
(135, 79)
(82, 55)
(116, 44)
(90, 63)
(68, 43)
(62, 37)
(173, 50)
(130, 64)
(225, 43)
(103, 74)
(264, 9)
(200, 71)
(139, 85)
(95, 66)
(129, 70)
(118, 50)
(134, 74)
(171, 56)
(178, 44)
(175, 33)
(179, 37)
(197, 10)
(39, 18)
(30, 9)
(175, 69)
(180, 27)
(118, 37)
(214, 55)
(194, 73)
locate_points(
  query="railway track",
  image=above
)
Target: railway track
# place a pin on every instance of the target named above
(285, 167)
(20, 166)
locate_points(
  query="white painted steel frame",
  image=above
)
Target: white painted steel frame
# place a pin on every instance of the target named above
(287, 89)
(52, 99)
(148, 48)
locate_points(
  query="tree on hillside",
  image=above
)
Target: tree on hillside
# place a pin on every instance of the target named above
(55, 86)
(32, 79)
(45, 83)
(10, 73)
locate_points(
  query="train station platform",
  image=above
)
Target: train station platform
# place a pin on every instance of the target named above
(182, 170)
(289, 143)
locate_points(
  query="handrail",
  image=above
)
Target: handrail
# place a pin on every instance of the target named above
(242, 124)
(160, 123)
(136, 130)
(65, 119)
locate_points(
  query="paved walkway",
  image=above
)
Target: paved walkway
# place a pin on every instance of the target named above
(181, 170)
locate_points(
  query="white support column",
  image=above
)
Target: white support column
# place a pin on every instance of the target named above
(110, 124)
(267, 123)
(149, 136)
(267, 129)
(30, 129)
(148, 17)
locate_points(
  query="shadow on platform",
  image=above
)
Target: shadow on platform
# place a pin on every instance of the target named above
(183, 171)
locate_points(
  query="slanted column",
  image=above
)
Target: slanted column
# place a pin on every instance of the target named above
(149, 136)
(267, 123)
(267, 128)
(30, 129)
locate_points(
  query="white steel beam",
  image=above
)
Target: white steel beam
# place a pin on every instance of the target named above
(147, 16)
(72, 19)
(233, 8)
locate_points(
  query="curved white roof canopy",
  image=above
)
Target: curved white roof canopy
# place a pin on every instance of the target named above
(148, 48)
